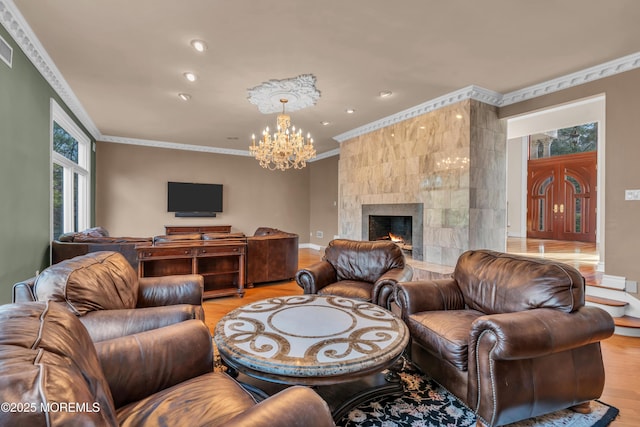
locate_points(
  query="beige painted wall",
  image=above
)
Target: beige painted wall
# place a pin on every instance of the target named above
(622, 151)
(131, 191)
(323, 200)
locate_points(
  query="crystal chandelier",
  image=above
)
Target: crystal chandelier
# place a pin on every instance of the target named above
(285, 148)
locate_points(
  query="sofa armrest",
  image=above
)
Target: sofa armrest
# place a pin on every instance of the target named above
(23, 291)
(384, 287)
(539, 332)
(108, 324)
(293, 407)
(139, 365)
(428, 295)
(316, 277)
(169, 290)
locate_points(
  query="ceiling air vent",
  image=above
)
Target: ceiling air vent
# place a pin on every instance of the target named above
(6, 52)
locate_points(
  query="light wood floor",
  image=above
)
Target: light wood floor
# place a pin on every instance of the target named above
(621, 354)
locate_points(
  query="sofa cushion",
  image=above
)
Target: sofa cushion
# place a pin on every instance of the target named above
(350, 289)
(96, 281)
(218, 236)
(362, 260)
(495, 282)
(190, 400)
(170, 238)
(47, 358)
(445, 334)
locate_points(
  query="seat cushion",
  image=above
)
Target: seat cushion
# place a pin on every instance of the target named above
(350, 289)
(211, 399)
(445, 334)
(95, 281)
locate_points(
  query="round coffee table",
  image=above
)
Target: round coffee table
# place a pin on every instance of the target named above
(314, 340)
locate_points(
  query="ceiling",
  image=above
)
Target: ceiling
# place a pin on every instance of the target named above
(124, 60)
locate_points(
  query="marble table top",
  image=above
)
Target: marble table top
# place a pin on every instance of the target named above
(288, 339)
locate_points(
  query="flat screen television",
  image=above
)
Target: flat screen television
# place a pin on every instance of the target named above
(191, 199)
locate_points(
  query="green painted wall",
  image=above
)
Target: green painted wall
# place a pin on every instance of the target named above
(24, 169)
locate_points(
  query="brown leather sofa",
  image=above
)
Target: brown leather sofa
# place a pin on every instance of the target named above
(162, 377)
(363, 270)
(104, 291)
(272, 254)
(96, 239)
(508, 335)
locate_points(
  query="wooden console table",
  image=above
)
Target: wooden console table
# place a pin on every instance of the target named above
(182, 229)
(221, 263)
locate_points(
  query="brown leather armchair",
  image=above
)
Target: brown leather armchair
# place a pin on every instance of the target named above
(508, 335)
(104, 291)
(160, 377)
(363, 270)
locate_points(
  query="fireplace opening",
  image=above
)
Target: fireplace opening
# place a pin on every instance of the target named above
(398, 229)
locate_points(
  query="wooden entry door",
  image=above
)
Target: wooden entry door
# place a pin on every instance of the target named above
(561, 195)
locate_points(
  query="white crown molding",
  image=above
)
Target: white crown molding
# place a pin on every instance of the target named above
(597, 72)
(15, 24)
(470, 92)
(173, 145)
(325, 155)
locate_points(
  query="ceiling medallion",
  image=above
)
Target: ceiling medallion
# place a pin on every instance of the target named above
(300, 92)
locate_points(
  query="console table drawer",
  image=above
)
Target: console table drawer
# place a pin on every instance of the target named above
(162, 252)
(207, 251)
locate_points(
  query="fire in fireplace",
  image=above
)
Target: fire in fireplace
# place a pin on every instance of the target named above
(398, 229)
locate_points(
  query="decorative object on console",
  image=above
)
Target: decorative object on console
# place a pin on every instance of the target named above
(104, 291)
(365, 270)
(508, 335)
(286, 148)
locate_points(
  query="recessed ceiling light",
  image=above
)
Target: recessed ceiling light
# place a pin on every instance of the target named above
(184, 96)
(458, 116)
(350, 110)
(232, 138)
(190, 76)
(385, 94)
(323, 123)
(199, 45)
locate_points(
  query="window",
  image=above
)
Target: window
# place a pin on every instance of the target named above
(70, 157)
(560, 142)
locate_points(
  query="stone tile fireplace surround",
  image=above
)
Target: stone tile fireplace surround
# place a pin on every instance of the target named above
(451, 161)
(414, 211)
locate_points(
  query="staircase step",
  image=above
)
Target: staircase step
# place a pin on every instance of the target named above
(627, 325)
(605, 301)
(614, 307)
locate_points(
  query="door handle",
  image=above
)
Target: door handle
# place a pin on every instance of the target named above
(562, 208)
(555, 208)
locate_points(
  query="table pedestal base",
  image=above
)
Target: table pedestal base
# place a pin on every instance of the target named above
(341, 397)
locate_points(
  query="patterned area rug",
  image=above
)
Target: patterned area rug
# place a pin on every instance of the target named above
(427, 404)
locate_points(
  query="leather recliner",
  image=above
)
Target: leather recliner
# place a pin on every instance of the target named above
(362, 270)
(104, 291)
(52, 374)
(508, 335)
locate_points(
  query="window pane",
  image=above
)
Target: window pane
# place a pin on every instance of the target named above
(75, 202)
(64, 144)
(559, 142)
(58, 200)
